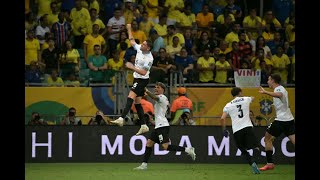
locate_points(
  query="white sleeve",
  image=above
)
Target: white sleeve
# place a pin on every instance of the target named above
(137, 47)
(225, 109)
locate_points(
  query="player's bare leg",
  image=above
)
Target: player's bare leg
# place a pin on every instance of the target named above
(268, 139)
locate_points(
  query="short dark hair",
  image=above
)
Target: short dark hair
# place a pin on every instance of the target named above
(149, 43)
(72, 108)
(276, 78)
(163, 86)
(235, 91)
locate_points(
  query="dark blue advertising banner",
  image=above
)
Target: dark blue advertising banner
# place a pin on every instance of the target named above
(120, 144)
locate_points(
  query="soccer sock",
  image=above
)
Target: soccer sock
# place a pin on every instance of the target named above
(175, 148)
(269, 156)
(140, 113)
(246, 155)
(147, 154)
(127, 108)
(256, 154)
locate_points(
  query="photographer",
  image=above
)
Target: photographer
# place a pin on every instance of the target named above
(185, 119)
(98, 119)
(71, 119)
(36, 120)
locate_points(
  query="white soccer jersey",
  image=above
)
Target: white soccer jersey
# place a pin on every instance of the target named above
(160, 110)
(282, 105)
(143, 61)
(239, 111)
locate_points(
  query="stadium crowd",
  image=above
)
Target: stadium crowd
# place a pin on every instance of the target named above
(72, 42)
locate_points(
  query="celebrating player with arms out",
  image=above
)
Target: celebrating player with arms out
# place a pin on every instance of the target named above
(284, 121)
(160, 134)
(141, 68)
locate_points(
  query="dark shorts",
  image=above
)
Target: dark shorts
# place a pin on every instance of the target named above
(139, 85)
(160, 135)
(245, 138)
(276, 128)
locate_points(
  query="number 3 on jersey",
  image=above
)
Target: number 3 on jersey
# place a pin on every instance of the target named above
(240, 115)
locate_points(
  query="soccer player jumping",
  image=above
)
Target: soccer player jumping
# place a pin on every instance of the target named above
(160, 134)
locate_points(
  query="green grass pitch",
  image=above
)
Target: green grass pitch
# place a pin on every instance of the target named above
(156, 171)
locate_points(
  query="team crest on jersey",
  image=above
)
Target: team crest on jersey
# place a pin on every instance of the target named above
(265, 106)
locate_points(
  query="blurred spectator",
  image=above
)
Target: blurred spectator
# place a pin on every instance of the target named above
(234, 58)
(161, 28)
(277, 41)
(225, 28)
(226, 14)
(270, 18)
(115, 25)
(61, 30)
(184, 64)
(71, 118)
(174, 9)
(33, 75)
(171, 29)
(114, 64)
(206, 67)
(153, 8)
(245, 48)
(290, 31)
(42, 29)
(187, 19)
(30, 22)
(54, 80)
(257, 61)
(261, 43)
(91, 40)
(53, 15)
(232, 8)
(252, 23)
(281, 64)
(175, 48)
(201, 44)
(158, 42)
(136, 33)
(95, 20)
(268, 32)
(98, 119)
(37, 120)
(45, 45)
(234, 35)
(79, 17)
(97, 66)
(128, 11)
(67, 5)
(69, 60)
(50, 57)
(204, 19)
(43, 7)
(94, 4)
(161, 67)
(123, 38)
(189, 41)
(224, 47)
(222, 67)
(72, 81)
(146, 25)
(32, 49)
(180, 104)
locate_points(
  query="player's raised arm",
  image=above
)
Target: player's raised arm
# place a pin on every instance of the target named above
(273, 94)
(131, 38)
(154, 97)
